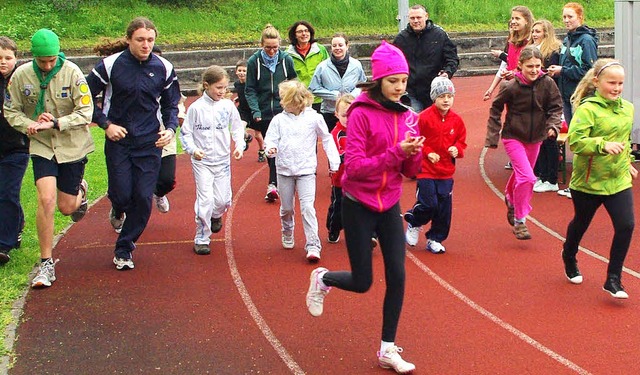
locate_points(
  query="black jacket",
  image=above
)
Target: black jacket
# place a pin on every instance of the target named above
(11, 140)
(427, 54)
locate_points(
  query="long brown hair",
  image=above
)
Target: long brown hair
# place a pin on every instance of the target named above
(521, 38)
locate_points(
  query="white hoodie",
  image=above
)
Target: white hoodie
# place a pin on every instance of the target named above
(295, 138)
(209, 126)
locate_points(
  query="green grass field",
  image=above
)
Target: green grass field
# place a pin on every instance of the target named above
(82, 23)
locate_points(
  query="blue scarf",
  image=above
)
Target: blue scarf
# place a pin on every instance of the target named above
(270, 62)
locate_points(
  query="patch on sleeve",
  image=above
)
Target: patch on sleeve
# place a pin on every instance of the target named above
(86, 99)
(84, 88)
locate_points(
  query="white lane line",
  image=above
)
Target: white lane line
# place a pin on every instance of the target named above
(244, 293)
(550, 231)
(484, 312)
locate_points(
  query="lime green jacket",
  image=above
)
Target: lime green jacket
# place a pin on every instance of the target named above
(596, 121)
(306, 67)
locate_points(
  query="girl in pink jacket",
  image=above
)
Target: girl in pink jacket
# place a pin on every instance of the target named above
(382, 145)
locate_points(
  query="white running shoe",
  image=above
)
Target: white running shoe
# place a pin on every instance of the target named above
(313, 255)
(116, 223)
(565, 193)
(162, 203)
(123, 264)
(545, 186)
(46, 274)
(435, 247)
(391, 359)
(412, 235)
(316, 294)
(288, 241)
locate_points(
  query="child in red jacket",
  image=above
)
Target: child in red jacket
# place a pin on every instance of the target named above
(445, 141)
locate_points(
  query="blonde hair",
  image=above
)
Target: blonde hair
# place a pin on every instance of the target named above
(586, 86)
(550, 43)
(269, 32)
(295, 95)
(346, 99)
(211, 75)
(520, 38)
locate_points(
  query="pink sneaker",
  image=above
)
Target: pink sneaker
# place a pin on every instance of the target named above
(391, 359)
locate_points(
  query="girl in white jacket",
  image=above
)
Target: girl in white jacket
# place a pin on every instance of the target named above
(206, 135)
(293, 136)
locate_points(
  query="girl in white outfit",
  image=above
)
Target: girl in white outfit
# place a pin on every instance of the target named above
(206, 135)
(293, 136)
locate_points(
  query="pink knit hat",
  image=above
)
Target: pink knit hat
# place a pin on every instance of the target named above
(388, 60)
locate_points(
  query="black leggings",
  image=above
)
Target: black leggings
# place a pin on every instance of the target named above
(619, 206)
(360, 224)
(167, 177)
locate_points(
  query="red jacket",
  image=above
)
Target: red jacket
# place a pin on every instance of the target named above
(441, 132)
(339, 134)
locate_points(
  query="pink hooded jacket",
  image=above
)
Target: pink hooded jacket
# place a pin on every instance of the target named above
(374, 162)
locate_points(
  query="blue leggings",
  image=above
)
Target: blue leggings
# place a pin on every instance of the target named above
(360, 224)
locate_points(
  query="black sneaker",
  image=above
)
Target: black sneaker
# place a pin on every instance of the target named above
(334, 237)
(247, 139)
(216, 224)
(614, 287)
(201, 249)
(79, 213)
(4, 256)
(571, 269)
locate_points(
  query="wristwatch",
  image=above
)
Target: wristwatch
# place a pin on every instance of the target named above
(55, 123)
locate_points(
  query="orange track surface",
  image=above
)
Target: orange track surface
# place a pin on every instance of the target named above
(490, 305)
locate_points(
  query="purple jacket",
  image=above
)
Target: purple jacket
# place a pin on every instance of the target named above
(374, 162)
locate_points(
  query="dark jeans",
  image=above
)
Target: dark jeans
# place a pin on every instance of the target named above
(619, 206)
(434, 205)
(133, 166)
(334, 214)
(360, 224)
(167, 178)
(547, 164)
(12, 169)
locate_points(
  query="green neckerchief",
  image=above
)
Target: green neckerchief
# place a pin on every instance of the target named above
(44, 82)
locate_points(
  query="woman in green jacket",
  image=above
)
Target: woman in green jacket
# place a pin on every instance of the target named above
(306, 53)
(266, 69)
(599, 136)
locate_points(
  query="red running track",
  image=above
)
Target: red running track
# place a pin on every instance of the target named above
(490, 305)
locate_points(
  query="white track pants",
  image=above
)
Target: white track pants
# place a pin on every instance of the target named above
(213, 197)
(305, 186)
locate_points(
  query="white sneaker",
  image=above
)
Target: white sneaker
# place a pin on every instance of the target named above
(162, 203)
(545, 186)
(123, 264)
(287, 241)
(115, 222)
(391, 359)
(435, 247)
(412, 235)
(272, 193)
(46, 274)
(316, 294)
(313, 255)
(538, 183)
(565, 193)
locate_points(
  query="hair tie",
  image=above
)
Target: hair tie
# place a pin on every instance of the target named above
(605, 66)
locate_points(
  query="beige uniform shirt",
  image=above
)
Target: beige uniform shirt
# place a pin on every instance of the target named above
(67, 98)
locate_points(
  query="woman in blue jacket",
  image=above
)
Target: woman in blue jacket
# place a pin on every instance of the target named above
(336, 76)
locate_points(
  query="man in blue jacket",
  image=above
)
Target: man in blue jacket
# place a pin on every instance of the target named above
(429, 52)
(137, 85)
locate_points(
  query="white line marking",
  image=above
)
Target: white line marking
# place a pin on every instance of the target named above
(244, 293)
(553, 233)
(484, 312)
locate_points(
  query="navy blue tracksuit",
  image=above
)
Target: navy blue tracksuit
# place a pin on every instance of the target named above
(134, 94)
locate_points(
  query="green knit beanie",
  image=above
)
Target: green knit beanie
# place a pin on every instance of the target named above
(45, 43)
